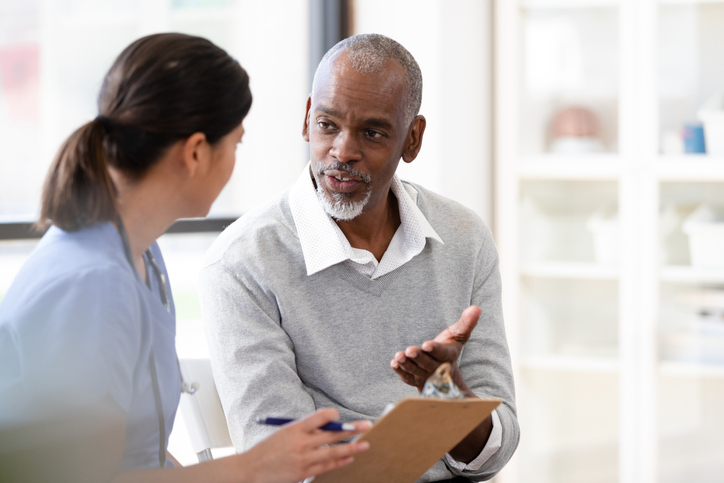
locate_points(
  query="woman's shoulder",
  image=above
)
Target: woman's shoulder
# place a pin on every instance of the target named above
(71, 321)
(88, 264)
(93, 249)
(93, 243)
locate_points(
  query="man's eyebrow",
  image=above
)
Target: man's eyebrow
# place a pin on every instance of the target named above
(372, 121)
(327, 110)
(380, 123)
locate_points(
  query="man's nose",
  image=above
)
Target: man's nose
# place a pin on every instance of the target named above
(346, 147)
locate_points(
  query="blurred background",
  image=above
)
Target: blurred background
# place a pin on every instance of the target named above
(589, 134)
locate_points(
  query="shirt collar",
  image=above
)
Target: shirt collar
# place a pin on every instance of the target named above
(324, 244)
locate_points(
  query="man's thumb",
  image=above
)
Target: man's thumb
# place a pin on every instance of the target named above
(461, 330)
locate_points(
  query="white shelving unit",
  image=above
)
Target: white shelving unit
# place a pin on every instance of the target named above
(601, 166)
(616, 375)
(692, 167)
(570, 270)
(686, 274)
(573, 364)
(692, 370)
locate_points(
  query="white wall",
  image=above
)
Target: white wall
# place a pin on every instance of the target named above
(274, 50)
(451, 40)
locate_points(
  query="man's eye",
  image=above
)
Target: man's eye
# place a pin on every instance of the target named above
(323, 125)
(373, 134)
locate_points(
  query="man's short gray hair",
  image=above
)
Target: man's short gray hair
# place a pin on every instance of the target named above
(368, 53)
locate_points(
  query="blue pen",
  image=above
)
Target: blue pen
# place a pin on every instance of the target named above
(333, 426)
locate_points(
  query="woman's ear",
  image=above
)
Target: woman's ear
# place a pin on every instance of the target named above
(196, 154)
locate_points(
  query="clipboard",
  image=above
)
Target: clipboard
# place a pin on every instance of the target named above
(408, 440)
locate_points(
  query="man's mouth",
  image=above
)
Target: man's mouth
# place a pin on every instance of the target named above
(343, 179)
(342, 175)
(342, 182)
(343, 172)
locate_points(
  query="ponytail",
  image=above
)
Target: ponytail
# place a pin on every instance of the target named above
(78, 189)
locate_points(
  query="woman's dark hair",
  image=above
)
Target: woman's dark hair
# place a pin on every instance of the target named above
(162, 88)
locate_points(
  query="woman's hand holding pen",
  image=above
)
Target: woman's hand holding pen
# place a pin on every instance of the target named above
(300, 449)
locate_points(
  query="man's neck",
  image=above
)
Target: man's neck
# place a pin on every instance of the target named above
(373, 230)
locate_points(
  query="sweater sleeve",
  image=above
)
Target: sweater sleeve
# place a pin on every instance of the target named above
(485, 361)
(252, 357)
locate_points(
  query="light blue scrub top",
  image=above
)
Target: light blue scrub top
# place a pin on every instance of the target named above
(77, 326)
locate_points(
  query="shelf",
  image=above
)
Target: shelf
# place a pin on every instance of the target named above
(693, 167)
(585, 167)
(218, 14)
(603, 365)
(629, 328)
(689, 274)
(92, 19)
(570, 270)
(559, 4)
(691, 369)
(95, 19)
(688, 2)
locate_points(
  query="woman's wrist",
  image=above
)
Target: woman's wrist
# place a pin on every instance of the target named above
(244, 469)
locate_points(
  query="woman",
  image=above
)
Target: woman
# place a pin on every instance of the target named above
(89, 378)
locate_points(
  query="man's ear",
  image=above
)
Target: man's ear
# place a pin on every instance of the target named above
(413, 143)
(305, 127)
(196, 154)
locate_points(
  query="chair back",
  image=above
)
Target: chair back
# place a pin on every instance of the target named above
(201, 408)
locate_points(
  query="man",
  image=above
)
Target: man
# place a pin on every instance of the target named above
(307, 299)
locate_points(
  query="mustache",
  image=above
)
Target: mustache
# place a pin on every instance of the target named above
(366, 178)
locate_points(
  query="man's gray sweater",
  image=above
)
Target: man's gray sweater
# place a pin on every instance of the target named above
(283, 343)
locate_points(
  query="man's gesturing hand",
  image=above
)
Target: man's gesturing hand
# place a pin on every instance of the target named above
(416, 364)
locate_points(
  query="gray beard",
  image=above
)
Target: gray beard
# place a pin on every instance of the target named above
(341, 209)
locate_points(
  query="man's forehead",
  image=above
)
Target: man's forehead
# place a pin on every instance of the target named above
(340, 66)
(382, 92)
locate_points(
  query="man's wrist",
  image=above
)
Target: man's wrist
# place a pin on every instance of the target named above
(457, 378)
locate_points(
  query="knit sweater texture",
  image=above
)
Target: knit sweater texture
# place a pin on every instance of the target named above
(283, 343)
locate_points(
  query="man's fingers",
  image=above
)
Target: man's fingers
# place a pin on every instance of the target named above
(400, 357)
(411, 367)
(412, 352)
(407, 376)
(431, 359)
(460, 331)
(440, 352)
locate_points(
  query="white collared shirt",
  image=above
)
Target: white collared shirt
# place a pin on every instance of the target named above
(324, 245)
